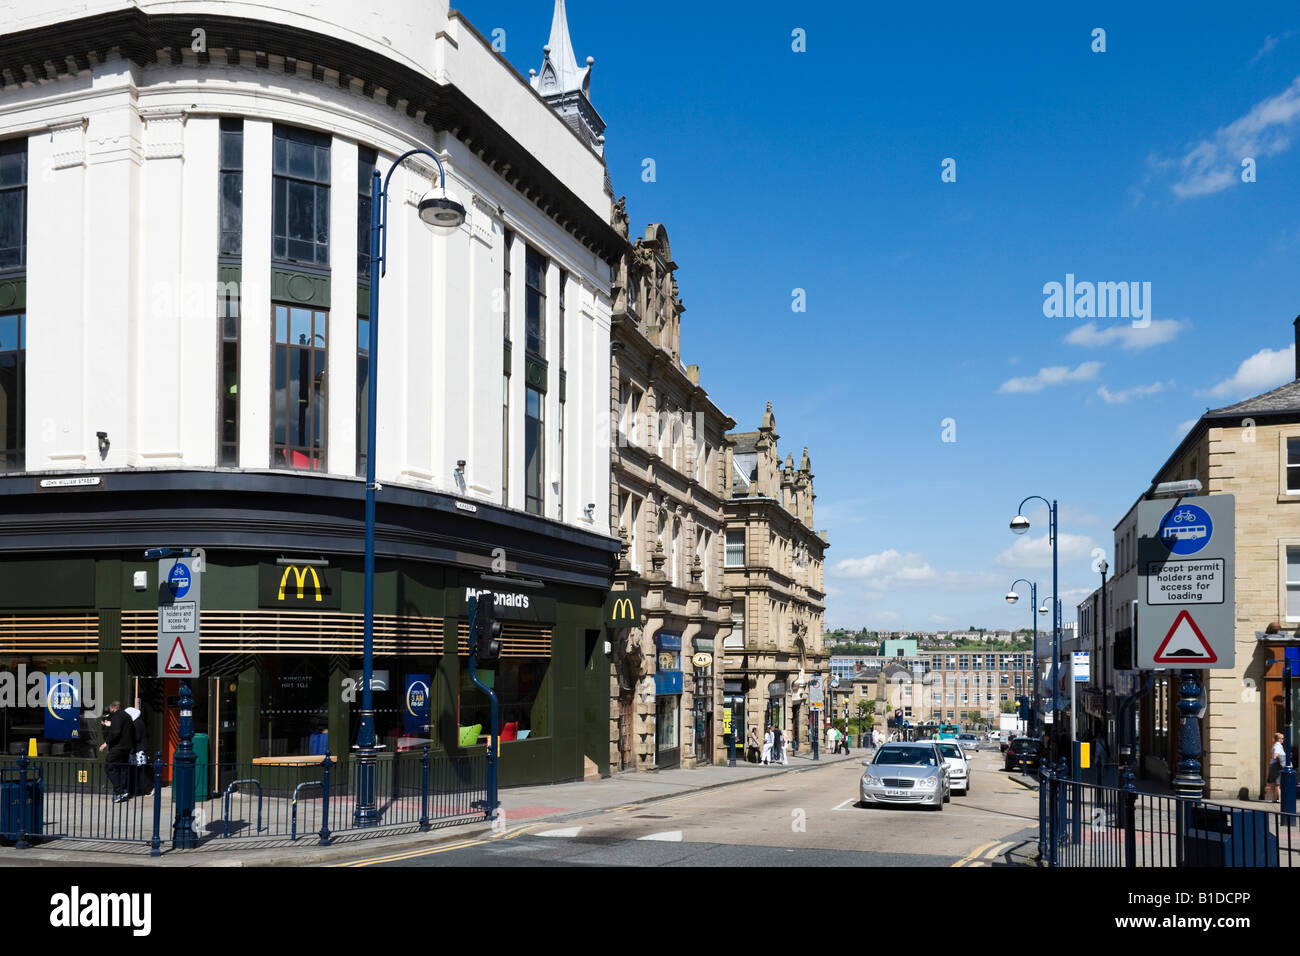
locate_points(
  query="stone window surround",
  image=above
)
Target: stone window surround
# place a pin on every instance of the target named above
(1291, 431)
(1283, 543)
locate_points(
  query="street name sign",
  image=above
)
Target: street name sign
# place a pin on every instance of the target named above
(179, 608)
(1186, 593)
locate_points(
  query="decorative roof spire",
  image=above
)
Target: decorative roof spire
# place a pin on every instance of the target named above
(565, 85)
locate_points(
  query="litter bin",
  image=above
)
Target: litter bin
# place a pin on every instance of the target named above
(1209, 830)
(20, 813)
(1252, 842)
(201, 752)
(1229, 837)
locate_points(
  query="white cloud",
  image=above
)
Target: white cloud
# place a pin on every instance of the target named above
(891, 570)
(1137, 391)
(1183, 428)
(1270, 44)
(1264, 370)
(942, 619)
(1214, 164)
(1053, 375)
(1158, 332)
(1029, 552)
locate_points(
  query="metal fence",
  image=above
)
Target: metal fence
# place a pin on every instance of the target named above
(241, 804)
(1096, 825)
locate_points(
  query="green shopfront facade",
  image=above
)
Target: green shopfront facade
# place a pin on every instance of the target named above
(281, 622)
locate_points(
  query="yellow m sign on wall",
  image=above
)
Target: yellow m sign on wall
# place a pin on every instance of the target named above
(299, 585)
(623, 609)
(301, 575)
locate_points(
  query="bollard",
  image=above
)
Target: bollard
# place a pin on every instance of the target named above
(1130, 818)
(155, 845)
(325, 802)
(424, 789)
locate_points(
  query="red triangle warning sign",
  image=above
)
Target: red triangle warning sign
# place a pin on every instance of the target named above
(1185, 644)
(177, 661)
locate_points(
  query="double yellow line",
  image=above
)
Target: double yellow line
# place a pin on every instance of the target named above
(974, 854)
(440, 848)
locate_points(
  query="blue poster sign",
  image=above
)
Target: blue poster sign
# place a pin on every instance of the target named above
(415, 705)
(1186, 529)
(668, 672)
(62, 707)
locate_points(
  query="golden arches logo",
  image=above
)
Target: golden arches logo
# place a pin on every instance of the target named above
(301, 578)
(623, 609)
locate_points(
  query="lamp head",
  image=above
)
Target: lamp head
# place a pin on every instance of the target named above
(1019, 524)
(440, 210)
(1042, 609)
(1012, 597)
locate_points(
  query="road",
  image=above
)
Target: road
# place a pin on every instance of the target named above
(804, 818)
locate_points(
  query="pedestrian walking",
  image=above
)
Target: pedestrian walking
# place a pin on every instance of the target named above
(118, 745)
(782, 747)
(767, 746)
(1273, 792)
(833, 738)
(141, 773)
(752, 755)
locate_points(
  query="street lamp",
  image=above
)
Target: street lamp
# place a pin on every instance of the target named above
(1012, 598)
(444, 214)
(1019, 525)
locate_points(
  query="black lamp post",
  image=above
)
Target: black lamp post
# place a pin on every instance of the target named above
(444, 214)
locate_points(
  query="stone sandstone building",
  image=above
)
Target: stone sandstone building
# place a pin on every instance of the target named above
(773, 568)
(666, 462)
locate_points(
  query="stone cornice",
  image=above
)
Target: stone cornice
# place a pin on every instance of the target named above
(70, 47)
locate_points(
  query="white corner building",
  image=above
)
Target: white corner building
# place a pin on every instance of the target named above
(184, 228)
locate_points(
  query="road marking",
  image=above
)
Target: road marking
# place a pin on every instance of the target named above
(668, 836)
(997, 851)
(970, 857)
(565, 832)
(840, 806)
(443, 848)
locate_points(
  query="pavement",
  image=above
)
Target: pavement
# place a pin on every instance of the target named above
(518, 805)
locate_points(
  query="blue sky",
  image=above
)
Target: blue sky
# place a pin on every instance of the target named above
(821, 170)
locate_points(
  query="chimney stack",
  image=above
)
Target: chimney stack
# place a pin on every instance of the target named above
(1297, 347)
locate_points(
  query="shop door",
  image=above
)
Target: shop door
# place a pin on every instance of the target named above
(703, 730)
(668, 748)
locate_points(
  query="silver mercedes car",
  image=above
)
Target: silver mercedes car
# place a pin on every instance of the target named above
(907, 773)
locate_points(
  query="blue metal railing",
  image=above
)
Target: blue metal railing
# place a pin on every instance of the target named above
(74, 799)
(1091, 825)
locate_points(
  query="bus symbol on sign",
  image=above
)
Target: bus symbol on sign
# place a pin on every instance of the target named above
(1186, 529)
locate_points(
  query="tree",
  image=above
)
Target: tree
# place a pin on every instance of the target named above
(866, 719)
(1010, 707)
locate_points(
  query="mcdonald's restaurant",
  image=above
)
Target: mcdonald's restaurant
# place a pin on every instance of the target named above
(281, 624)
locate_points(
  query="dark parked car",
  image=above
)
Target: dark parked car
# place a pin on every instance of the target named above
(1022, 752)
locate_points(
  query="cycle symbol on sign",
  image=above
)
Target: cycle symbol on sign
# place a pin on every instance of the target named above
(1184, 515)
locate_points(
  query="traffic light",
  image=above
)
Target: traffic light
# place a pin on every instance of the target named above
(1023, 713)
(487, 630)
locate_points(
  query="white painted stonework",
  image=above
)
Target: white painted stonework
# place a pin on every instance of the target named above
(122, 321)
